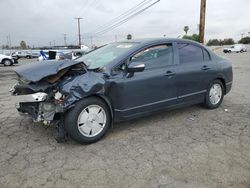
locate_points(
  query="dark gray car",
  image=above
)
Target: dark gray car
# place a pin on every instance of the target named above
(121, 81)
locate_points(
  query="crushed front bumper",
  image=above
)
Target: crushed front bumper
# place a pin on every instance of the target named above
(37, 106)
(35, 97)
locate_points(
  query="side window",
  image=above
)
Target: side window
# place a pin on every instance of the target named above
(155, 56)
(189, 53)
(206, 55)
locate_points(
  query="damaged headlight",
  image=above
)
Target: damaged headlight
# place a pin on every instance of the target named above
(58, 95)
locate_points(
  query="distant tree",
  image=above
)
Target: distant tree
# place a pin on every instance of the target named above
(5, 47)
(214, 42)
(245, 40)
(129, 37)
(219, 42)
(23, 44)
(186, 28)
(194, 37)
(229, 41)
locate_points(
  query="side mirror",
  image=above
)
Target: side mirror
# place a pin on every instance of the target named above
(135, 67)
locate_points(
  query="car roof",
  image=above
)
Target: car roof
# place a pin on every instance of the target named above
(144, 41)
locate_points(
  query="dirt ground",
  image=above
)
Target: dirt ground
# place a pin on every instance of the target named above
(191, 147)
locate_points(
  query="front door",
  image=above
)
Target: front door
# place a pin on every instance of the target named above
(150, 90)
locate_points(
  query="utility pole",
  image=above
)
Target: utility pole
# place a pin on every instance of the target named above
(7, 37)
(202, 21)
(79, 30)
(91, 40)
(65, 39)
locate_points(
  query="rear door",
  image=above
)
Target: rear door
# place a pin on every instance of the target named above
(195, 71)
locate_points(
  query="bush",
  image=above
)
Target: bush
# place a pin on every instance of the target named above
(193, 37)
(219, 42)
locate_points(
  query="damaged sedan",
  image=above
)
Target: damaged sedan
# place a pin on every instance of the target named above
(118, 82)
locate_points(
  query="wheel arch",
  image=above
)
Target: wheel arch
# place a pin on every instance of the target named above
(6, 59)
(223, 82)
(108, 103)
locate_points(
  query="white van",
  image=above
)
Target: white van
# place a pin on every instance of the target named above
(235, 48)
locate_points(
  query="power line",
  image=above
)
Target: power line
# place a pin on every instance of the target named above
(130, 11)
(125, 20)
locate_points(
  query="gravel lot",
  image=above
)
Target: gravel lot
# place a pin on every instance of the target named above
(190, 147)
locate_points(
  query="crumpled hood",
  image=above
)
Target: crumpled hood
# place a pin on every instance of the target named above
(36, 71)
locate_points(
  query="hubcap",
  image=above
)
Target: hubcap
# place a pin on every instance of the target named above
(215, 94)
(91, 120)
(7, 62)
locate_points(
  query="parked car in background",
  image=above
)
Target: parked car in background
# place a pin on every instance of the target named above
(121, 81)
(7, 60)
(24, 54)
(59, 55)
(235, 48)
(74, 55)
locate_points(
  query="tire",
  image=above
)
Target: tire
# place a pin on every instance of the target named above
(210, 102)
(229, 51)
(28, 57)
(84, 125)
(7, 62)
(241, 51)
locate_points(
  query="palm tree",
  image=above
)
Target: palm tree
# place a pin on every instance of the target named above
(186, 28)
(129, 37)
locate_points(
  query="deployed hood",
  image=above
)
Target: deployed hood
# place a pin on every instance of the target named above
(36, 71)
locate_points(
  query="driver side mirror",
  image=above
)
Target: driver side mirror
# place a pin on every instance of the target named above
(135, 67)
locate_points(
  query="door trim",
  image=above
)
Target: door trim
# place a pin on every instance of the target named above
(162, 101)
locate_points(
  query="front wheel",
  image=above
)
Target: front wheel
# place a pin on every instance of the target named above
(88, 121)
(214, 95)
(7, 62)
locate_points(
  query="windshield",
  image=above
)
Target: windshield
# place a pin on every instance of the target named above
(106, 54)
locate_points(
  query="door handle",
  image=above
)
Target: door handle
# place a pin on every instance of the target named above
(170, 73)
(205, 67)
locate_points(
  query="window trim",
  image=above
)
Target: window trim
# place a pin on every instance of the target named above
(126, 60)
(209, 56)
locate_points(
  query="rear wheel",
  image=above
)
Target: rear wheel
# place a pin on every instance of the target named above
(88, 121)
(214, 95)
(7, 62)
